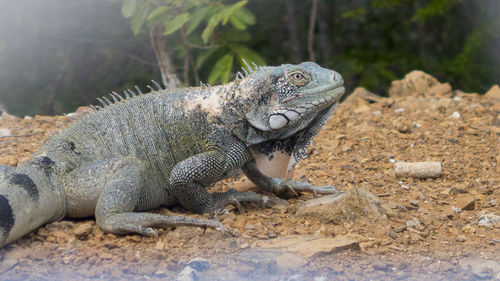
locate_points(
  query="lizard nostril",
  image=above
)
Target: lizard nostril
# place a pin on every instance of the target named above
(336, 77)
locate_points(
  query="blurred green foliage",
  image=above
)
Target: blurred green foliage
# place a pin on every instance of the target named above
(56, 54)
(204, 30)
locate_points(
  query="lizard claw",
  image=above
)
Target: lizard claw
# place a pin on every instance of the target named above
(221, 228)
(315, 193)
(148, 231)
(155, 236)
(235, 198)
(292, 190)
(238, 205)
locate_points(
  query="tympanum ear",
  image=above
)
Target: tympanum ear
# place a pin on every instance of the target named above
(258, 118)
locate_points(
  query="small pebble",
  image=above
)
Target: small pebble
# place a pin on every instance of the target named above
(456, 115)
(187, 274)
(456, 209)
(413, 223)
(106, 256)
(199, 264)
(461, 238)
(82, 230)
(400, 229)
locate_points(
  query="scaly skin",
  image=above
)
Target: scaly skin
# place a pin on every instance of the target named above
(166, 147)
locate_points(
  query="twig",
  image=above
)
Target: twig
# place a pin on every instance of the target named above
(199, 46)
(310, 36)
(187, 57)
(141, 60)
(195, 71)
(384, 195)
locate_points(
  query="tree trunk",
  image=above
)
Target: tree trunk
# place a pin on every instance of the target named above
(48, 107)
(324, 44)
(293, 31)
(310, 34)
(159, 43)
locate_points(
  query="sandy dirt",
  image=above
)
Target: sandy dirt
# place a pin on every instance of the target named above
(432, 229)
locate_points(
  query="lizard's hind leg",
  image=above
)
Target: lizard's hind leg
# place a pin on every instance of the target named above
(119, 197)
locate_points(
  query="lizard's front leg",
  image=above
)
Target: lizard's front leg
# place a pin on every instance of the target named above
(282, 187)
(190, 176)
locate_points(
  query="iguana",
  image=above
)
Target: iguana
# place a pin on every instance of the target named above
(142, 151)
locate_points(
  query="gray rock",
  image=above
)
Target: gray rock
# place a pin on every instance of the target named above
(82, 230)
(356, 203)
(413, 223)
(199, 264)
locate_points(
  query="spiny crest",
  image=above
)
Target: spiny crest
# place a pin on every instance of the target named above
(204, 85)
(115, 98)
(247, 69)
(127, 94)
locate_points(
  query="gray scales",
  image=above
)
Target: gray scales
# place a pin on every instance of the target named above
(166, 147)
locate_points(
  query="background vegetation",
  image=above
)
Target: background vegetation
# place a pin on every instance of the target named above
(56, 55)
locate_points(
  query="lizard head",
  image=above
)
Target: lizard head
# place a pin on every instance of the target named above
(296, 94)
(292, 103)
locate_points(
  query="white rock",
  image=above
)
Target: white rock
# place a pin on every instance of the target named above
(187, 274)
(413, 223)
(4, 132)
(488, 219)
(456, 115)
(456, 209)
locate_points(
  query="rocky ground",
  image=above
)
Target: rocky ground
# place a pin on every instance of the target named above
(383, 228)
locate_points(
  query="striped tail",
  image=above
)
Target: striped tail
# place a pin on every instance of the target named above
(28, 199)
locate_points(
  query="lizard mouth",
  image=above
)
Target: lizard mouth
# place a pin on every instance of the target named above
(317, 94)
(304, 103)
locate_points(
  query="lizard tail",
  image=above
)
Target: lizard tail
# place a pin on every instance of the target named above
(28, 199)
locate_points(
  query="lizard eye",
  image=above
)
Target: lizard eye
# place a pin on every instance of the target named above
(298, 78)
